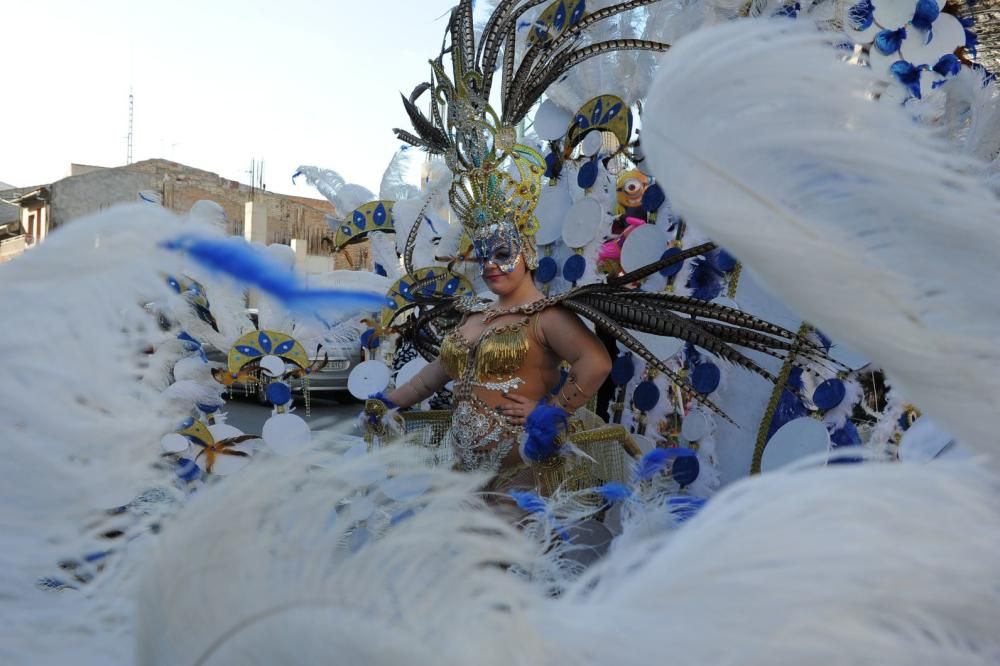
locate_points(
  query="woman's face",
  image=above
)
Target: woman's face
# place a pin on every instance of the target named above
(501, 283)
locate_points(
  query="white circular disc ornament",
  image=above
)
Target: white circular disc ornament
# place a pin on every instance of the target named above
(866, 36)
(191, 367)
(893, 14)
(947, 34)
(410, 370)
(793, 441)
(923, 441)
(225, 464)
(581, 222)
(174, 443)
(644, 443)
(550, 212)
(221, 431)
(286, 434)
(360, 508)
(696, 426)
(662, 347)
(406, 486)
(367, 378)
(592, 143)
(551, 121)
(644, 245)
(655, 283)
(881, 63)
(272, 365)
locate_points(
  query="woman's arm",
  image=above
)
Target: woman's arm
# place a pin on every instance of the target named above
(572, 341)
(423, 385)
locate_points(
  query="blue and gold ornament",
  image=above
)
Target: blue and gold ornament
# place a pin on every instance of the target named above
(255, 345)
(430, 282)
(606, 113)
(372, 216)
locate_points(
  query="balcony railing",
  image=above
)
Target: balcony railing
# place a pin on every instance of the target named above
(12, 247)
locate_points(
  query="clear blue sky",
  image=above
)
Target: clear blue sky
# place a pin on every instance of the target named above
(216, 83)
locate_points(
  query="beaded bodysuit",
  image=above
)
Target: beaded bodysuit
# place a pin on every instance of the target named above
(481, 437)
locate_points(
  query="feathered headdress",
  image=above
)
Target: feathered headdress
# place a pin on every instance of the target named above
(497, 180)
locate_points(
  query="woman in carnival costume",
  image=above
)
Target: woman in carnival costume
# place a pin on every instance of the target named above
(504, 356)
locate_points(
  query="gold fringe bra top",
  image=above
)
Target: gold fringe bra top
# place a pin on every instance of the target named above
(493, 361)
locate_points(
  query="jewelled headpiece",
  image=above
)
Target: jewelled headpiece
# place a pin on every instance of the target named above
(497, 181)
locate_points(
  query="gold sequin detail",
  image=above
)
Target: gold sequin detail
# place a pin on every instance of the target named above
(500, 353)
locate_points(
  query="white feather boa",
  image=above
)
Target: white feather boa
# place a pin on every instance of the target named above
(868, 225)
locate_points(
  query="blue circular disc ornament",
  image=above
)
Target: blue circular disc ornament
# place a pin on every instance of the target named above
(574, 267)
(672, 269)
(278, 393)
(369, 340)
(646, 396)
(551, 162)
(653, 198)
(187, 470)
(705, 378)
(547, 269)
(622, 370)
(208, 409)
(587, 175)
(829, 394)
(725, 262)
(686, 468)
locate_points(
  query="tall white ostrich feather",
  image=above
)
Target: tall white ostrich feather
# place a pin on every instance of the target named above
(344, 196)
(870, 226)
(394, 186)
(876, 563)
(271, 567)
(80, 430)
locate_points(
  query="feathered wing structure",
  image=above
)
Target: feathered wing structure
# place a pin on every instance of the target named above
(894, 564)
(79, 431)
(394, 186)
(620, 310)
(370, 560)
(344, 196)
(887, 234)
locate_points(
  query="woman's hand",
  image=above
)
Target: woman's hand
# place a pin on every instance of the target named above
(518, 408)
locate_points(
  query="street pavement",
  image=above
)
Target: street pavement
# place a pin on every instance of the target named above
(325, 414)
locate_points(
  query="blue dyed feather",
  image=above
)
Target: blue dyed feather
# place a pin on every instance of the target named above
(706, 280)
(652, 463)
(241, 261)
(684, 507)
(528, 501)
(614, 492)
(543, 426)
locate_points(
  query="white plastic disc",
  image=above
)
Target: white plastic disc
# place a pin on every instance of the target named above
(221, 431)
(226, 464)
(592, 143)
(286, 434)
(643, 246)
(923, 441)
(947, 35)
(696, 425)
(191, 367)
(272, 365)
(644, 443)
(550, 211)
(866, 36)
(795, 440)
(551, 121)
(360, 508)
(410, 370)
(582, 221)
(174, 443)
(893, 14)
(405, 486)
(655, 283)
(662, 347)
(367, 378)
